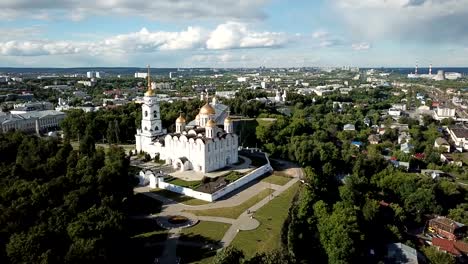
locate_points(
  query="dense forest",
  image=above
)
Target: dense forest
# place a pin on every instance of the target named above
(61, 205)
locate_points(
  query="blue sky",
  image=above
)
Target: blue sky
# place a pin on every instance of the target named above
(233, 33)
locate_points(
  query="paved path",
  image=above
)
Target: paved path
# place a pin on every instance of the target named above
(245, 221)
(170, 247)
(245, 216)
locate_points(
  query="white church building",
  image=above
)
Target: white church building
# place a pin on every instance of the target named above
(202, 146)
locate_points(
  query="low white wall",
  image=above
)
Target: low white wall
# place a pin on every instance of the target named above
(218, 194)
(242, 181)
(185, 191)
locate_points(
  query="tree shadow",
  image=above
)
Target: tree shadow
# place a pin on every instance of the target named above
(191, 248)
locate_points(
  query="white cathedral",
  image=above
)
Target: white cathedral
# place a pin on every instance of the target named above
(204, 147)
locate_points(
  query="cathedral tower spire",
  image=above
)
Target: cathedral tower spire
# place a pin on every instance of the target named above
(150, 91)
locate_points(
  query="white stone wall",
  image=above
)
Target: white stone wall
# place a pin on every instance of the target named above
(242, 181)
(220, 193)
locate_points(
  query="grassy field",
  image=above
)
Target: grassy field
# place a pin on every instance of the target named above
(180, 182)
(277, 178)
(179, 197)
(205, 231)
(234, 212)
(268, 235)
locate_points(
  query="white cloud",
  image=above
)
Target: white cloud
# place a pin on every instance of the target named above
(427, 20)
(37, 48)
(233, 35)
(159, 9)
(361, 46)
(325, 39)
(145, 41)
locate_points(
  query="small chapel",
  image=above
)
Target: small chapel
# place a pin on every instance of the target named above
(206, 144)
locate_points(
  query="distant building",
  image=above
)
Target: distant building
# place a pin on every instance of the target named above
(349, 127)
(22, 108)
(442, 144)
(57, 87)
(374, 139)
(406, 148)
(33, 121)
(394, 112)
(226, 94)
(87, 83)
(242, 79)
(162, 86)
(142, 75)
(455, 248)
(446, 227)
(93, 74)
(459, 137)
(453, 75)
(442, 113)
(402, 254)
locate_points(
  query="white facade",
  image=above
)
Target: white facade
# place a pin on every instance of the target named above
(204, 148)
(33, 121)
(394, 112)
(442, 113)
(93, 74)
(459, 137)
(143, 75)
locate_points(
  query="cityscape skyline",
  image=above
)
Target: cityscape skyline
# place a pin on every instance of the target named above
(188, 33)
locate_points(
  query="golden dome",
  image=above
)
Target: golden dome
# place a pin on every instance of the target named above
(197, 117)
(180, 119)
(149, 92)
(228, 120)
(207, 109)
(210, 123)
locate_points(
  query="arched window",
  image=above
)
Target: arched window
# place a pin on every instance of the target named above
(146, 113)
(155, 114)
(156, 128)
(146, 128)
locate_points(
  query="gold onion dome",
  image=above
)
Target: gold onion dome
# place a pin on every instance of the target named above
(210, 123)
(228, 120)
(207, 109)
(149, 92)
(197, 117)
(180, 119)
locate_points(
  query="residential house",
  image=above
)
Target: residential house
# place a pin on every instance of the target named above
(406, 148)
(450, 159)
(442, 144)
(404, 137)
(374, 139)
(401, 253)
(446, 227)
(459, 136)
(453, 247)
(349, 127)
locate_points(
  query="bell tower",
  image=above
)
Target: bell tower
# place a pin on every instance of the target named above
(151, 116)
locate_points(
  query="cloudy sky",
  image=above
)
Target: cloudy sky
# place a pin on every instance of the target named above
(233, 33)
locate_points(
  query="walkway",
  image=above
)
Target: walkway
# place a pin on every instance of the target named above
(245, 221)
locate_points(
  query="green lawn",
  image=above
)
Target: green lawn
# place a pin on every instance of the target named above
(179, 197)
(277, 178)
(205, 231)
(267, 236)
(234, 212)
(189, 184)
